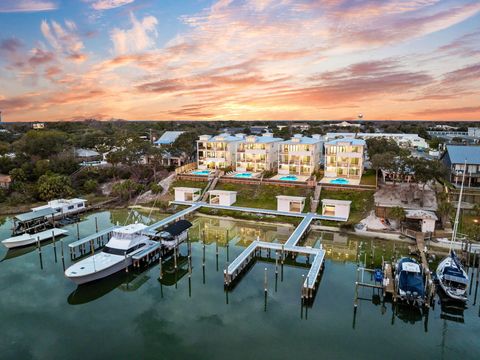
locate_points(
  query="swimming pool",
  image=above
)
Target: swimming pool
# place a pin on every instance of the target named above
(339, 181)
(201, 172)
(245, 175)
(289, 178)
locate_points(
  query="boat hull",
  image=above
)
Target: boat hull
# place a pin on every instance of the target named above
(97, 275)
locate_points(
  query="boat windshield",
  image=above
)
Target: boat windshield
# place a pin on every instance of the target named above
(113, 251)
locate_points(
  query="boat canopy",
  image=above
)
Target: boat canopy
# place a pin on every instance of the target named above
(177, 228)
(35, 214)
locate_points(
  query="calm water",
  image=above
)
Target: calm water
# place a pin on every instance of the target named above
(45, 316)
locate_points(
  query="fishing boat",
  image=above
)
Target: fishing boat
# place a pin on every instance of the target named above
(409, 282)
(451, 275)
(32, 239)
(117, 254)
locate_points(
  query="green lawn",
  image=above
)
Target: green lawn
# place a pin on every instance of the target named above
(362, 203)
(368, 178)
(251, 216)
(187, 183)
(264, 196)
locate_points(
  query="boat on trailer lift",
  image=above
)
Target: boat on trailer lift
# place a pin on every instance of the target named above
(117, 254)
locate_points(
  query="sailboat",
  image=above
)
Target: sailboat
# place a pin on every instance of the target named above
(451, 275)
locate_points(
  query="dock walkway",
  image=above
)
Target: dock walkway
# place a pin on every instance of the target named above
(94, 239)
(151, 228)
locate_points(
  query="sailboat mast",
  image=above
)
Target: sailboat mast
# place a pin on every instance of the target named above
(457, 215)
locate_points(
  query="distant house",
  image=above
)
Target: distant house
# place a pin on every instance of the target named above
(259, 129)
(346, 124)
(300, 126)
(38, 126)
(474, 132)
(403, 140)
(5, 181)
(454, 159)
(168, 138)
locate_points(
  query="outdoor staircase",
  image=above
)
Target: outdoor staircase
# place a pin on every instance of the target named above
(210, 186)
(315, 199)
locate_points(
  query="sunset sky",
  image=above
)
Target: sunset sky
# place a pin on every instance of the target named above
(264, 59)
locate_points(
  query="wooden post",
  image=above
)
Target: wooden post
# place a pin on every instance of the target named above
(160, 266)
(78, 232)
(92, 248)
(283, 253)
(96, 224)
(265, 282)
(126, 263)
(276, 262)
(175, 256)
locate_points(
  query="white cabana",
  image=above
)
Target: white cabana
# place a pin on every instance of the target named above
(427, 218)
(187, 194)
(290, 203)
(336, 208)
(222, 197)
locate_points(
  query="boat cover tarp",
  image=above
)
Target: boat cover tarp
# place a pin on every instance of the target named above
(410, 281)
(178, 227)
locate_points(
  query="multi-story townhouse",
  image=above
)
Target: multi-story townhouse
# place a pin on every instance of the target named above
(300, 155)
(257, 153)
(454, 159)
(217, 152)
(344, 158)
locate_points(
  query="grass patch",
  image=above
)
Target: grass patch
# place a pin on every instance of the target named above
(187, 183)
(251, 216)
(264, 196)
(362, 204)
(368, 178)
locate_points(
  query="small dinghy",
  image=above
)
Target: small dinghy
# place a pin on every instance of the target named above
(452, 278)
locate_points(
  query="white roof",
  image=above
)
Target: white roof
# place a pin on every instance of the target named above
(60, 202)
(168, 137)
(187, 189)
(336, 202)
(220, 192)
(420, 214)
(287, 197)
(86, 153)
(130, 229)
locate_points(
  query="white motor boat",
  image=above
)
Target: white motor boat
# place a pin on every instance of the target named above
(31, 239)
(125, 242)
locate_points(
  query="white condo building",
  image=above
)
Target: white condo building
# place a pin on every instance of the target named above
(344, 158)
(257, 153)
(404, 140)
(217, 152)
(300, 155)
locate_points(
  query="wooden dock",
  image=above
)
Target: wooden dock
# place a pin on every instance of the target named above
(244, 259)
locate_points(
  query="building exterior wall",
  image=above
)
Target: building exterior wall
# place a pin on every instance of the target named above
(256, 156)
(215, 154)
(344, 160)
(298, 158)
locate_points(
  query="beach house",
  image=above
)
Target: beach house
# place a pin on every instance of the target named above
(217, 152)
(257, 153)
(344, 160)
(300, 155)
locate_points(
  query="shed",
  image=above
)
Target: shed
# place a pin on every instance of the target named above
(223, 197)
(290, 203)
(5, 181)
(427, 219)
(187, 194)
(336, 208)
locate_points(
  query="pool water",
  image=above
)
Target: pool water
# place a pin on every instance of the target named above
(289, 178)
(339, 181)
(201, 172)
(246, 175)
